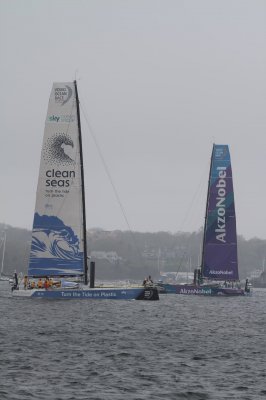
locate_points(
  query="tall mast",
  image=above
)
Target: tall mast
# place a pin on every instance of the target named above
(205, 221)
(82, 190)
(3, 254)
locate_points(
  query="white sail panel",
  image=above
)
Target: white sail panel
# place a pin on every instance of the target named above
(57, 238)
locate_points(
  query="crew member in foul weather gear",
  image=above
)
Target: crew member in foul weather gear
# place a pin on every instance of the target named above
(40, 284)
(247, 288)
(32, 285)
(15, 281)
(25, 282)
(147, 281)
(46, 284)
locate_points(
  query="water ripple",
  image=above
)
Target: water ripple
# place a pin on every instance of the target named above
(179, 348)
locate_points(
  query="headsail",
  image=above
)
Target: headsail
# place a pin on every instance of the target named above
(219, 257)
(57, 247)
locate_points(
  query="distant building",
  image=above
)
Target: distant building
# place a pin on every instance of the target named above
(176, 277)
(256, 273)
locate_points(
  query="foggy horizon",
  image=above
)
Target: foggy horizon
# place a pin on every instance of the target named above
(159, 83)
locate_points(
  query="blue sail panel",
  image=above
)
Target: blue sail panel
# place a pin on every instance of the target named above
(55, 249)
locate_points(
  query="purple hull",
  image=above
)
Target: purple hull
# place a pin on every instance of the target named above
(203, 290)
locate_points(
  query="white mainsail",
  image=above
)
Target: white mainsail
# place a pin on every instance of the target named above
(57, 247)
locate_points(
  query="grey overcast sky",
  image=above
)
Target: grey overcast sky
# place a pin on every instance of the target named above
(159, 81)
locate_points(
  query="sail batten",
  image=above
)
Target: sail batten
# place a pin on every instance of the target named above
(57, 247)
(219, 256)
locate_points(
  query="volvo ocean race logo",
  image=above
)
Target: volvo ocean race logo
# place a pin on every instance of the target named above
(220, 205)
(62, 94)
(59, 150)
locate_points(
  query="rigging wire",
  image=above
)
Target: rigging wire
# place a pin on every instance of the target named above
(105, 167)
(180, 264)
(198, 188)
(117, 195)
(188, 213)
(107, 171)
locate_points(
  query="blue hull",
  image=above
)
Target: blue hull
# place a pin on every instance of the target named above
(93, 294)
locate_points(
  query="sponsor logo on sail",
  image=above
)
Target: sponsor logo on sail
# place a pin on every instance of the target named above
(53, 118)
(220, 152)
(59, 150)
(58, 178)
(221, 205)
(221, 272)
(61, 118)
(63, 94)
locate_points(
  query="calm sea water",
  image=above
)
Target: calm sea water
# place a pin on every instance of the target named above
(182, 347)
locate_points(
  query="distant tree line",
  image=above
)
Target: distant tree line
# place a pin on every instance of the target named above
(138, 254)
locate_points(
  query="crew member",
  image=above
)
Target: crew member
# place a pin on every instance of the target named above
(25, 282)
(40, 284)
(46, 283)
(15, 281)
